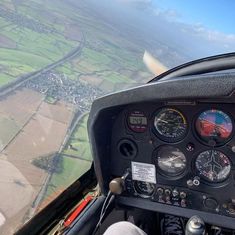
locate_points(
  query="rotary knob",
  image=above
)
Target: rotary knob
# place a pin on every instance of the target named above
(167, 192)
(210, 203)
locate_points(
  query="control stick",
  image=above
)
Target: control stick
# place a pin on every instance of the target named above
(195, 226)
(117, 185)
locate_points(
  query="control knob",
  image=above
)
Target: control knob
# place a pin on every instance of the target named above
(195, 226)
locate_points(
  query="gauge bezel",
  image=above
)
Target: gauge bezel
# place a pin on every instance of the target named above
(169, 139)
(128, 114)
(132, 144)
(142, 194)
(200, 139)
(167, 175)
(203, 178)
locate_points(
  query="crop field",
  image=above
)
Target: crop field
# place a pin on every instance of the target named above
(20, 105)
(59, 111)
(78, 144)
(73, 168)
(5, 79)
(27, 46)
(36, 139)
(18, 190)
(34, 129)
(40, 136)
(6, 41)
(113, 59)
(109, 63)
(8, 130)
(75, 159)
(92, 80)
(34, 123)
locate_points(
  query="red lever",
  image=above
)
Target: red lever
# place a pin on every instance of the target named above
(77, 211)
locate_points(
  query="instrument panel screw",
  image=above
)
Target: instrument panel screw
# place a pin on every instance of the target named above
(233, 148)
(190, 183)
(190, 147)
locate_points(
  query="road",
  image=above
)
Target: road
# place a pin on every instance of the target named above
(4, 90)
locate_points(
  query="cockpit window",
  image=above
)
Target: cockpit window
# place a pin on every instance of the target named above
(57, 56)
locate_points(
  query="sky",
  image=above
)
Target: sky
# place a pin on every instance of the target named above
(174, 31)
(209, 22)
(214, 14)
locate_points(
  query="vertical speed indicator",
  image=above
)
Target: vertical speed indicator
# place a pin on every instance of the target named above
(170, 125)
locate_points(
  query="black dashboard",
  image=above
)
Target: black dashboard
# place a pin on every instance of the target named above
(176, 141)
(178, 153)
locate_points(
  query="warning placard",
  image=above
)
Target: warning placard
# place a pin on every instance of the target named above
(143, 172)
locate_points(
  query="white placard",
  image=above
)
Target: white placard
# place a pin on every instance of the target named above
(143, 172)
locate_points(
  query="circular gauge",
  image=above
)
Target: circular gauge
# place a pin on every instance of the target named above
(170, 125)
(214, 127)
(170, 160)
(213, 165)
(137, 121)
(144, 189)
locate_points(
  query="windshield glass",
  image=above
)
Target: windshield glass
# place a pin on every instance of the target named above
(57, 56)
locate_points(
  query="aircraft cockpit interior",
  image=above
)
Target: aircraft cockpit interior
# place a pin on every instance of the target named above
(163, 157)
(168, 147)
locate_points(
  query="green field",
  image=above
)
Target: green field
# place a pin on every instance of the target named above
(105, 55)
(114, 59)
(72, 169)
(78, 145)
(48, 30)
(44, 34)
(120, 68)
(74, 162)
(5, 79)
(34, 49)
(50, 100)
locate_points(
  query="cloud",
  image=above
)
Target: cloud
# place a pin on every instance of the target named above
(166, 27)
(168, 14)
(197, 32)
(139, 4)
(137, 1)
(212, 36)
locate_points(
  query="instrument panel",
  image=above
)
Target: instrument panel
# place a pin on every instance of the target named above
(187, 152)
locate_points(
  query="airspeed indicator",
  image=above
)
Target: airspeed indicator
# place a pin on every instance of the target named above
(170, 125)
